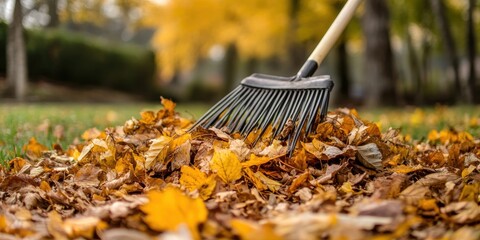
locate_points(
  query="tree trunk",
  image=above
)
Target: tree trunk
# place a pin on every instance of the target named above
(17, 58)
(472, 50)
(379, 74)
(230, 68)
(438, 8)
(414, 66)
(53, 13)
(342, 69)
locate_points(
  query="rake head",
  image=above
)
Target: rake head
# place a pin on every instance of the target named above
(291, 107)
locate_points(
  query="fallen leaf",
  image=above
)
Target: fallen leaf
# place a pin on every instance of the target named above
(226, 164)
(194, 179)
(157, 151)
(271, 184)
(370, 156)
(34, 149)
(173, 205)
(248, 230)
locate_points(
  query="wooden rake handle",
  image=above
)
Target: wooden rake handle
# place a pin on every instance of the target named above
(328, 40)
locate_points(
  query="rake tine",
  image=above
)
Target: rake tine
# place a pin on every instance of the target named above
(265, 114)
(324, 106)
(293, 106)
(279, 119)
(313, 111)
(220, 105)
(259, 111)
(227, 115)
(268, 118)
(301, 122)
(246, 111)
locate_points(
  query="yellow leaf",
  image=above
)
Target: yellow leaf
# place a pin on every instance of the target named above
(55, 226)
(347, 188)
(157, 151)
(3, 223)
(254, 179)
(166, 210)
(176, 142)
(256, 160)
(404, 169)
(194, 179)
(82, 226)
(169, 105)
(148, 117)
(92, 133)
(34, 149)
(248, 230)
(468, 170)
(271, 184)
(226, 164)
(428, 204)
(299, 180)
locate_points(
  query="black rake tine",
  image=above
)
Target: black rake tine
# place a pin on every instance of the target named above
(324, 106)
(220, 105)
(313, 111)
(270, 115)
(280, 118)
(243, 116)
(265, 115)
(224, 119)
(258, 112)
(295, 102)
(301, 122)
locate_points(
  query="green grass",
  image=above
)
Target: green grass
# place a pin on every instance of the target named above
(20, 122)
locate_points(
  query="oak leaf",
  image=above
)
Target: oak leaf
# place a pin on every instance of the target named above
(226, 164)
(167, 210)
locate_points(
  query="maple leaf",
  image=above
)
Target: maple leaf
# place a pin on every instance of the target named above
(194, 179)
(226, 164)
(167, 210)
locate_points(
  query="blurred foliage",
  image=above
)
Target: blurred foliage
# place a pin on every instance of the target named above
(185, 33)
(78, 60)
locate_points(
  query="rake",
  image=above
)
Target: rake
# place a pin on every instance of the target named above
(291, 105)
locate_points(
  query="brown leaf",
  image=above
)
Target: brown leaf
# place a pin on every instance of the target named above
(370, 156)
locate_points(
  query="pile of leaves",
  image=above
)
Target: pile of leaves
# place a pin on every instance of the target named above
(151, 179)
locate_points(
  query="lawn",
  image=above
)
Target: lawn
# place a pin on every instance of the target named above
(64, 123)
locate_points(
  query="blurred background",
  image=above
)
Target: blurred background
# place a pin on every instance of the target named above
(394, 52)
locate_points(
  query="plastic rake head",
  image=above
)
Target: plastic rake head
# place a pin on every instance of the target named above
(290, 107)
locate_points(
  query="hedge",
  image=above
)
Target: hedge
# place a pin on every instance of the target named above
(82, 61)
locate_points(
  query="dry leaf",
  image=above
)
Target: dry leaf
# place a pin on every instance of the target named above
(251, 231)
(370, 156)
(226, 164)
(194, 179)
(167, 210)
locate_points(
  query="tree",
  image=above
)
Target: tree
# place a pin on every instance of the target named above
(438, 7)
(16, 55)
(379, 74)
(471, 51)
(54, 20)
